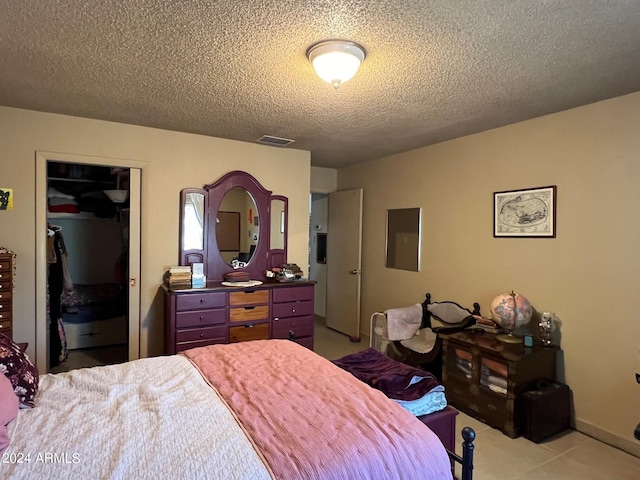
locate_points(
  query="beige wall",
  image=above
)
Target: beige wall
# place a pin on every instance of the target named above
(174, 161)
(589, 275)
(324, 180)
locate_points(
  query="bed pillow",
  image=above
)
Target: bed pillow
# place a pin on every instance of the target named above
(8, 410)
(20, 371)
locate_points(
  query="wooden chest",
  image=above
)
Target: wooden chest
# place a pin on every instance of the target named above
(7, 275)
(485, 377)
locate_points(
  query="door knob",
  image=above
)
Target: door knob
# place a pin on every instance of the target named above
(355, 271)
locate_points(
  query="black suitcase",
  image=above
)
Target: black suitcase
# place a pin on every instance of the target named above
(546, 411)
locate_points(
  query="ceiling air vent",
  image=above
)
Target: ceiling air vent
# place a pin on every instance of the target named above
(277, 141)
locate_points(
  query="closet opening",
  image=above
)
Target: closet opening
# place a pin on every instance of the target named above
(87, 265)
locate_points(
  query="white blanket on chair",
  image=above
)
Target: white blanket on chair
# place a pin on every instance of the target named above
(403, 323)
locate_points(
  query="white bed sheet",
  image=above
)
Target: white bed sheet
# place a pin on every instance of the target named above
(152, 418)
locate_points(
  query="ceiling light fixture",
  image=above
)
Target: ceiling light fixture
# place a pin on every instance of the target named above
(336, 61)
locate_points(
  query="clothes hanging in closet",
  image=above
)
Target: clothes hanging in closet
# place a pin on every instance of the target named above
(57, 340)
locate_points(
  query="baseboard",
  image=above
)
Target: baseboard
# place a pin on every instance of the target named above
(609, 438)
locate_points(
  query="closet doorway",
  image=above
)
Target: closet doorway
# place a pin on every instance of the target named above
(91, 262)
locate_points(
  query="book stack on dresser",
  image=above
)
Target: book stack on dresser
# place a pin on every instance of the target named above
(178, 277)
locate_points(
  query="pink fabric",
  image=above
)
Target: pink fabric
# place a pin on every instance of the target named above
(8, 410)
(312, 420)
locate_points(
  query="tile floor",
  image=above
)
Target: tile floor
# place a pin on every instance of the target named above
(568, 456)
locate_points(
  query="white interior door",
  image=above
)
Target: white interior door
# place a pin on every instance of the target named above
(344, 251)
(135, 182)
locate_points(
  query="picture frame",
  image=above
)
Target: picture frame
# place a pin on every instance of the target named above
(525, 213)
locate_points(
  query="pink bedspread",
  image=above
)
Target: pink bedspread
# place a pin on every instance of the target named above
(311, 420)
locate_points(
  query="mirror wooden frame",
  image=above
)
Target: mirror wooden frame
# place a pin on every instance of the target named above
(263, 257)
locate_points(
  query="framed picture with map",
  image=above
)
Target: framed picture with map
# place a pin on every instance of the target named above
(525, 213)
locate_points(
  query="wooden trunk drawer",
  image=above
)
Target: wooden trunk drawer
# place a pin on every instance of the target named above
(200, 318)
(259, 312)
(292, 294)
(487, 408)
(202, 301)
(180, 347)
(244, 333)
(196, 334)
(249, 297)
(300, 326)
(292, 309)
(5, 305)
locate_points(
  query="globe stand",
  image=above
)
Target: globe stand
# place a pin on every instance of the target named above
(508, 338)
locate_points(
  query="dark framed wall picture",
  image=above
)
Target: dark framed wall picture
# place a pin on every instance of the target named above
(525, 213)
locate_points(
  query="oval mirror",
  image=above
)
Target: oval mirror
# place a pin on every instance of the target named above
(237, 227)
(193, 222)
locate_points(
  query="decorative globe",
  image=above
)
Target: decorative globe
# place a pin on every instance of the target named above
(510, 311)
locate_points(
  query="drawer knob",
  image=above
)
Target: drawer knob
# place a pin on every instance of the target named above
(201, 334)
(293, 310)
(201, 318)
(202, 300)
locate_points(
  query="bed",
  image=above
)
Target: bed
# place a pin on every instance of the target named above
(249, 410)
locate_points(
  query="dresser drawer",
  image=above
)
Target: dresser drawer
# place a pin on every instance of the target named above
(240, 314)
(291, 309)
(5, 285)
(180, 347)
(249, 297)
(5, 295)
(5, 275)
(5, 324)
(200, 318)
(5, 316)
(244, 333)
(5, 264)
(292, 294)
(196, 334)
(300, 326)
(5, 305)
(202, 301)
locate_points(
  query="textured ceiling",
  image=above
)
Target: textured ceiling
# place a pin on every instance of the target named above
(435, 70)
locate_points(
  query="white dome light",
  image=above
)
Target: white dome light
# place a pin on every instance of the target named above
(336, 61)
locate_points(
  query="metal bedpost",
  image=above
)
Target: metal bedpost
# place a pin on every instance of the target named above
(468, 435)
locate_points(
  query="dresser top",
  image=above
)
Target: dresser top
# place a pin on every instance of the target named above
(218, 287)
(490, 343)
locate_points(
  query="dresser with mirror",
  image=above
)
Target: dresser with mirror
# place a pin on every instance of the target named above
(235, 226)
